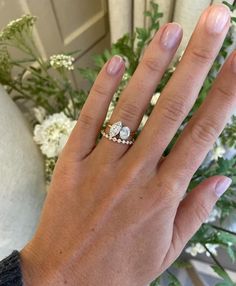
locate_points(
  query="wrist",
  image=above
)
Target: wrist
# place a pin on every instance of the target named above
(29, 267)
(34, 272)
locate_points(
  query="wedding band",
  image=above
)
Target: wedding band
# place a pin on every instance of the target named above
(118, 133)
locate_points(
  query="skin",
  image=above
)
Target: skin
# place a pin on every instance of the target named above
(115, 214)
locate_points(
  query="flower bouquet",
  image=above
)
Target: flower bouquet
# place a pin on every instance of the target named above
(54, 105)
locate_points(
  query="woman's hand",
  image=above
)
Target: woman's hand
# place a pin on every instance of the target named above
(115, 214)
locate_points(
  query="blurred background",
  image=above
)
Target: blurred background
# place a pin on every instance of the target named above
(91, 26)
(65, 25)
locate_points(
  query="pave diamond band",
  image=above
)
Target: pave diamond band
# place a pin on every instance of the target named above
(118, 133)
(118, 140)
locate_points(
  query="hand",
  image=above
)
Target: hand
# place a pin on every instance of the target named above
(117, 214)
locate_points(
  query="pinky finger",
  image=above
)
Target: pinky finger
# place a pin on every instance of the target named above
(194, 210)
(92, 116)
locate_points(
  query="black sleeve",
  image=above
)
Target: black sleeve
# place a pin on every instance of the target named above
(10, 272)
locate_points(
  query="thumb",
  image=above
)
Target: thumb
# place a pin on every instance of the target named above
(195, 209)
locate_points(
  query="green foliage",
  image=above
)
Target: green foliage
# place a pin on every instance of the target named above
(31, 77)
(181, 264)
(156, 282)
(221, 272)
(229, 133)
(173, 281)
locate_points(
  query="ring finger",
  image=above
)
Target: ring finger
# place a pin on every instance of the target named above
(136, 96)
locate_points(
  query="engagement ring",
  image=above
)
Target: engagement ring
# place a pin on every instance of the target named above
(118, 133)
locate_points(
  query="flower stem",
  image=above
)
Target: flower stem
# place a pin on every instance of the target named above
(213, 257)
(223, 229)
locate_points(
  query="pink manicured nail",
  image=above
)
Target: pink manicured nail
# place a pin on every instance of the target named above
(222, 186)
(171, 35)
(234, 64)
(217, 19)
(115, 65)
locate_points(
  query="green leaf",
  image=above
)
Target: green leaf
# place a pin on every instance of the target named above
(173, 281)
(99, 60)
(18, 97)
(88, 74)
(107, 54)
(224, 165)
(155, 282)
(142, 33)
(223, 274)
(231, 7)
(232, 253)
(182, 264)
(147, 13)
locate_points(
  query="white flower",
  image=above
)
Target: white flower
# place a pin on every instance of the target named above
(62, 61)
(155, 98)
(110, 111)
(125, 77)
(217, 152)
(173, 69)
(181, 55)
(17, 26)
(195, 249)
(53, 133)
(143, 122)
(215, 213)
(198, 248)
(39, 113)
(49, 167)
(126, 60)
(70, 107)
(212, 248)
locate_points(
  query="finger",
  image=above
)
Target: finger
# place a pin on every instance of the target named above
(135, 98)
(182, 90)
(194, 209)
(92, 116)
(203, 129)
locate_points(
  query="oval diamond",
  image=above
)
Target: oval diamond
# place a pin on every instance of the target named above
(115, 129)
(124, 133)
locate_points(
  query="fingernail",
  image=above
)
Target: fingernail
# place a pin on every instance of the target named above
(222, 186)
(114, 65)
(234, 64)
(217, 19)
(171, 35)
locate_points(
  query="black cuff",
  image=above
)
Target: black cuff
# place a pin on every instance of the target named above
(10, 272)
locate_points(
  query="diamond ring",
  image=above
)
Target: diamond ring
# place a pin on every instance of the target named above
(118, 133)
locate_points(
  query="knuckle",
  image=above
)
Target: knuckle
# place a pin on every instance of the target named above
(204, 133)
(201, 55)
(173, 110)
(225, 92)
(169, 191)
(86, 120)
(152, 65)
(202, 212)
(99, 90)
(142, 86)
(129, 111)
